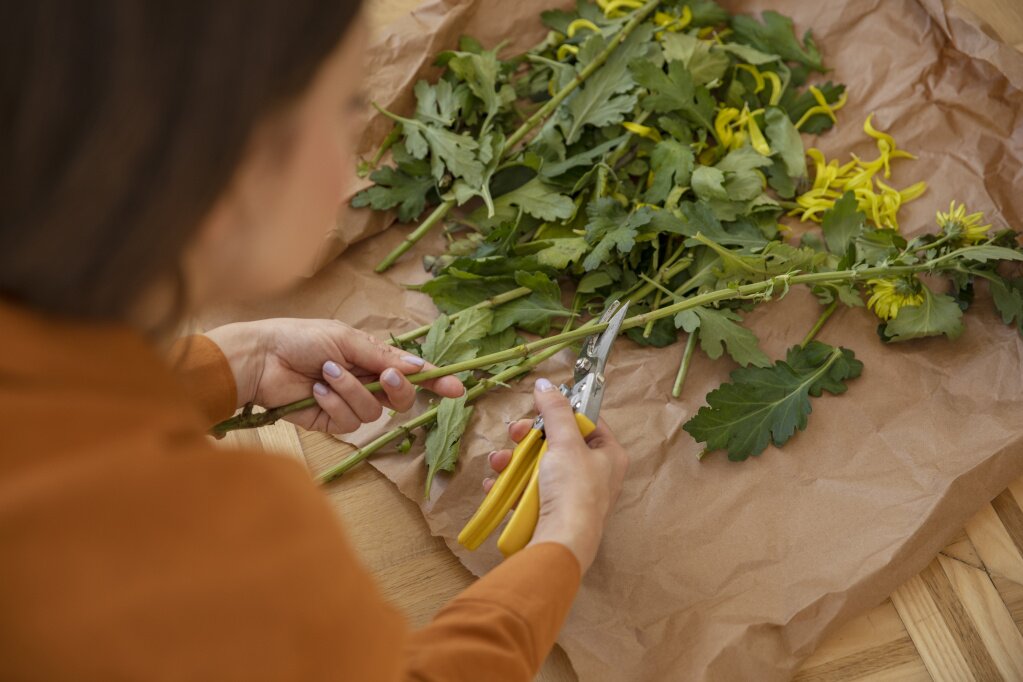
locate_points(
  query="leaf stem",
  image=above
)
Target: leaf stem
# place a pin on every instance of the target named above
(491, 302)
(683, 368)
(409, 241)
(425, 418)
(819, 324)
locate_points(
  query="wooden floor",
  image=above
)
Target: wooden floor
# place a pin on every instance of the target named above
(960, 619)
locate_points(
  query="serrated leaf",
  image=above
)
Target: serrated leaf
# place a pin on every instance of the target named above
(776, 36)
(539, 200)
(749, 55)
(585, 158)
(610, 228)
(438, 103)
(763, 405)
(560, 253)
(938, 314)
(394, 188)
(671, 163)
(720, 329)
(598, 102)
(989, 252)
(444, 439)
(480, 72)
(704, 62)
(534, 312)
(674, 91)
(842, 223)
(451, 151)
(1008, 298)
(709, 183)
(449, 341)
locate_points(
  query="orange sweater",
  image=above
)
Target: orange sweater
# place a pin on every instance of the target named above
(132, 548)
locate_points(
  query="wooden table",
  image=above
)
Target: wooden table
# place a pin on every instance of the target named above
(960, 619)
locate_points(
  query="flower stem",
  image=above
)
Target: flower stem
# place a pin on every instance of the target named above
(683, 368)
(426, 417)
(825, 316)
(526, 350)
(491, 302)
(532, 122)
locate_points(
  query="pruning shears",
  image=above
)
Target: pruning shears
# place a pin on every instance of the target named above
(519, 482)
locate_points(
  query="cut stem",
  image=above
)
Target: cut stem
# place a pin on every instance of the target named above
(683, 368)
(526, 350)
(426, 417)
(532, 122)
(825, 316)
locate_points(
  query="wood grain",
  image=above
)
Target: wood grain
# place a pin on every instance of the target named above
(960, 619)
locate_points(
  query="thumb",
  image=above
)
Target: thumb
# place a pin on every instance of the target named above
(558, 419)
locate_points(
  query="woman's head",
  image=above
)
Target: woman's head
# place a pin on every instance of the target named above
(142, 143)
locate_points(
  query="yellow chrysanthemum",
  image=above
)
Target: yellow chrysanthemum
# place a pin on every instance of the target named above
(733, 128)
(966, 227)
(888, 296)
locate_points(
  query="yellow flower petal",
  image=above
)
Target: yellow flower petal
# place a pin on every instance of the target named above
(578, 24)
(642, 131)
(565, 50)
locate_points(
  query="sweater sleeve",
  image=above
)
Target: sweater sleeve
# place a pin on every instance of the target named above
(504, 624)
(204, 373)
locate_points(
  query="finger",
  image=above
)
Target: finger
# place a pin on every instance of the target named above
(342, 419)
(374, 355)
(518, 429)
(399, 391)
(488, 483)
(363, 403)
(499, 459)
(601, 435)
(558, 420)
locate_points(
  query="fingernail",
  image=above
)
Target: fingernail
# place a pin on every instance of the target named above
(543, 385)
(391, 377)
(320, 389)
(332, 369)
(490, 457)
(413, 360)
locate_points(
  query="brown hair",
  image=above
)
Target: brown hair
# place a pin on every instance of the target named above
(122, 121)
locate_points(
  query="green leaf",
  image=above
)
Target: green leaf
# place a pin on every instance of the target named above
(989, 252)
(395, 188)
(709, 183)
(776, 36)
(598, 102)
(763, 405)
(662, 334)
(706, 13)
(561, 252)
(842, 224)
(534, 312)
(455, 152)
(480, 73)
(704, 62)
(610, 228)
(495, 343)
(1008, 298)
(444, 439)
(449, 342)
(719, 328)
(674, 91)
(539, 200)
(785, 142)
(798, 102)
(455, 290)
(672, 165)
(437, 104)
(586, 158)
(938, 314)
(749, 55)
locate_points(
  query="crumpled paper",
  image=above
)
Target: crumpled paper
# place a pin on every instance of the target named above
(717, 570)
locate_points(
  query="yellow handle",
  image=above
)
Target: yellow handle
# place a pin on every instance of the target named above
(506, 490)
(519, 530)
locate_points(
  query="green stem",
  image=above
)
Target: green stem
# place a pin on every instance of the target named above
(426, 417)
(367, 167)
(409, 241)
(683, 368)
(526, 350)
(825, 316)
(491, 302)
(532, 122)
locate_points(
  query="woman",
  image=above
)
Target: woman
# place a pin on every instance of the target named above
(157, 158)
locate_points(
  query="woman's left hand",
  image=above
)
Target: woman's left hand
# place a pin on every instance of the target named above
(279, 361)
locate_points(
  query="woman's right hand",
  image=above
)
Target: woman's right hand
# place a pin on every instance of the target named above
(579, 479)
